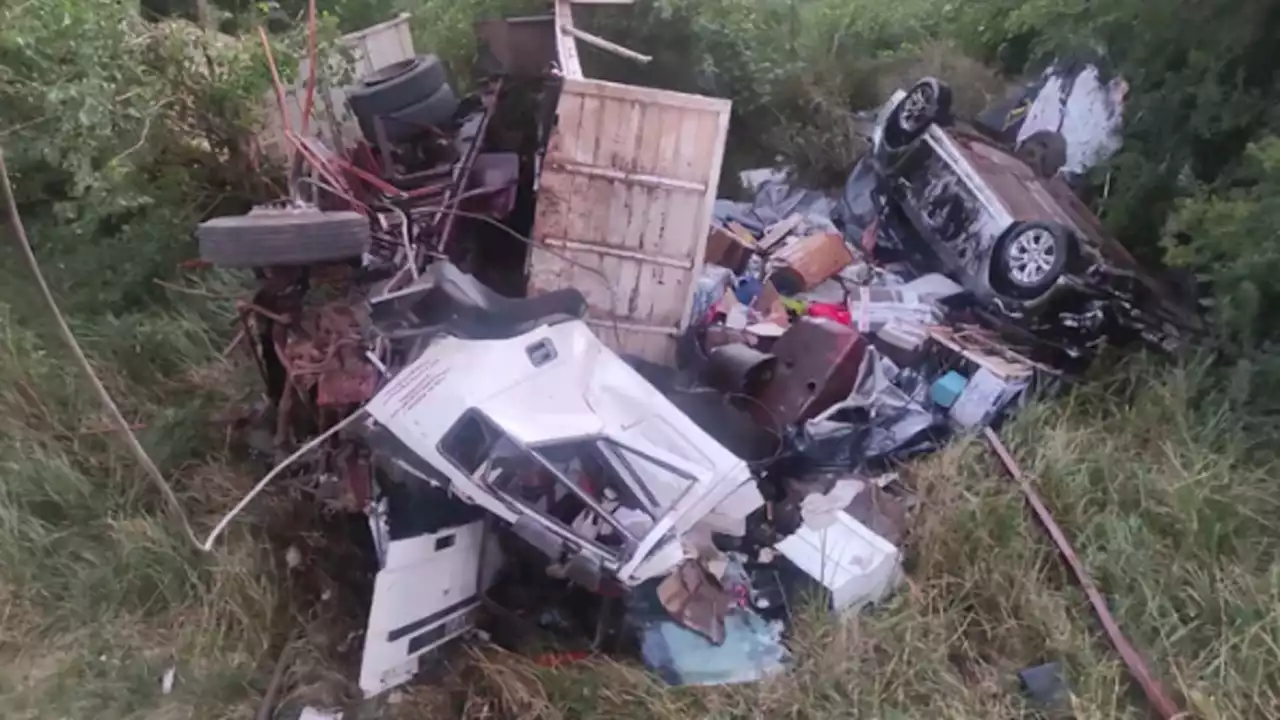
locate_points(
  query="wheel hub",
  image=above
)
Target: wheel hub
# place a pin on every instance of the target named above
(917, 108)
(1031, 256)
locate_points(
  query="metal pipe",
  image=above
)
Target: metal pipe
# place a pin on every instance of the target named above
(1154, 691)
(451, 199)
(264, 482)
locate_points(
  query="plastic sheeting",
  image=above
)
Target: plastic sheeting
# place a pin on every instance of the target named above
(856, 209)
(876, 424)
(774, 202)
(752, 650)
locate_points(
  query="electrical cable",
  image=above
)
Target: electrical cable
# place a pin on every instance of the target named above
(117, 418)
(207, 545)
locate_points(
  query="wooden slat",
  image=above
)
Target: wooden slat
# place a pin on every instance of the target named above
(632, 178)
(563, 145)
(566, 46)
(605, 173)
(704, 217)
(646, 155)
(669, 98)
(613, 156)
(675, 262)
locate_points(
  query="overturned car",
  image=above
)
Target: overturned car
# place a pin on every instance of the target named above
(1007, 226)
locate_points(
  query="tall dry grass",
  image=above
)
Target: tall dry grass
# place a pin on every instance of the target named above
(100, 593)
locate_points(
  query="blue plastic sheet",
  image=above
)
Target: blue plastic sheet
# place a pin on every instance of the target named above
(752, 650)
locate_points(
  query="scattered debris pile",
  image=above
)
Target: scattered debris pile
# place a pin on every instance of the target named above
(697, 412)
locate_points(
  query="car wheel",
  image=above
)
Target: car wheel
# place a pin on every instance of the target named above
(926, 103)
(1044, 151)
(396, 87)
(1030, 258)
(266, 238)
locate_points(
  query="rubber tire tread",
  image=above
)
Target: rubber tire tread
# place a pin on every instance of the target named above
(942, 100)
(421, 81)
(408, 122)
(294, 238)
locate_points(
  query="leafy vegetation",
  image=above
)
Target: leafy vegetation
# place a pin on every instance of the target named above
(120, 134)
(122, 126)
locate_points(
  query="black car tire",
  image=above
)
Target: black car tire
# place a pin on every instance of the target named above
(1030, 257)
(396, 86)
(266, 238)
(1044, 151)
(435, 111)
(926, 103)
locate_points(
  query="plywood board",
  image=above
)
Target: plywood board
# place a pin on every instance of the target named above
(627, 188)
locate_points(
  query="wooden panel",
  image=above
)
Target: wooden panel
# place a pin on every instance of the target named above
(627, 186)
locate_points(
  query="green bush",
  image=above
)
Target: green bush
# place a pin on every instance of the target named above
(119, 135)
(1232, 232)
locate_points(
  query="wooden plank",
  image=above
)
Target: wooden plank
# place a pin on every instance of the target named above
(612, 151)
(646, 156)
(554, 195)
(671, 303)
(605, 173)
(601, 188)
(656, 208)
(704, 217)
(563, 144)
(566, 46)
(680, 129)
(595, 247)
(635, 327)
(666, 98)
(580, 217)
(608, 46)
(689, 155)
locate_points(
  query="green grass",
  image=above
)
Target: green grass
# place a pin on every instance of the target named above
(99, 593)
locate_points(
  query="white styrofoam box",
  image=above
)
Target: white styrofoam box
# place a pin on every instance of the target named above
(855, 564)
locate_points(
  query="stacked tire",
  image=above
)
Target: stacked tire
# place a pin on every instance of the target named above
(408, 96)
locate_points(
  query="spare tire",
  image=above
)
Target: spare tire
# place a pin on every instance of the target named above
(264, 238)
(396, 86)
(435, 111)
(1045, 151)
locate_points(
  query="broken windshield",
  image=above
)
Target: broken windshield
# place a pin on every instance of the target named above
(575, 486)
